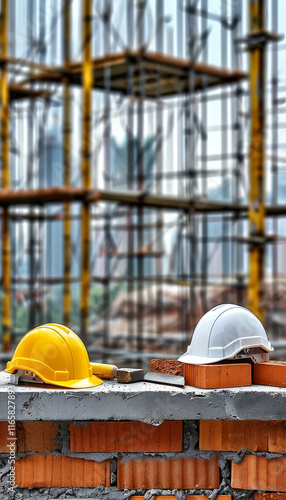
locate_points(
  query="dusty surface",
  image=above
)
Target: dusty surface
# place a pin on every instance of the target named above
(169, 366)
(142, 401)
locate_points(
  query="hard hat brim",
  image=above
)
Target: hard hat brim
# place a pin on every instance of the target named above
(85, 383)
(79, 384)
(198, 360)
(201, 360)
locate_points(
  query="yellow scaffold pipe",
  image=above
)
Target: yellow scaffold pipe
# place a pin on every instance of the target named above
(67, 170)
(85, 164)
(256, 209)
(6, 313)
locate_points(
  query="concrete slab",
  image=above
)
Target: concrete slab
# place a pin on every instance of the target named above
(142, 401)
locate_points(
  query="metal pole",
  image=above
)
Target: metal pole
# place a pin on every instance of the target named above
(237, 138)
(274, 166)
(130, 178)
(31, 33)
(107, 168)
(6, 316)
(85, 164)
(140, 182)
(224, 161)
(159, 169)
(256, 210)
(204, 151)
(67, 168)
(40, 225)
(190, 245)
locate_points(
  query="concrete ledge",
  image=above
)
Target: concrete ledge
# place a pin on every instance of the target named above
(143, 401)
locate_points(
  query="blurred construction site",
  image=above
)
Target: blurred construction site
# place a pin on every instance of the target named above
(143, 174)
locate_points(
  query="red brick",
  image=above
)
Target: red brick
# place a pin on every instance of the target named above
(156, 498)
(257, 473)
(217, 376)
(269, 496)
(4, 436)
(205, 497)
(177, 473)
(270, 373)
(277, 436)
(225, 435)
(188, 497)
(169, 366)
(40, 437)
(126, 437)
(53, 470)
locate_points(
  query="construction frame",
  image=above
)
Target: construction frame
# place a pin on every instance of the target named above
(147, 215)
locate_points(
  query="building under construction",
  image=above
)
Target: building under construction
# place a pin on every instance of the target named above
(142, 169)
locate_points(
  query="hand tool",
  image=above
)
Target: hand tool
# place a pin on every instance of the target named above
(163, 378)
(123, 375)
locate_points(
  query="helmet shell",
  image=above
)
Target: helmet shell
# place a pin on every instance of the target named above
(223, 332)
(57, 355)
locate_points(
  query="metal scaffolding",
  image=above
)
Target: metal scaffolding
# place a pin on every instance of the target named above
(137, 169)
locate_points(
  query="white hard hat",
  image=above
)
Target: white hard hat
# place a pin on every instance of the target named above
(223, 332)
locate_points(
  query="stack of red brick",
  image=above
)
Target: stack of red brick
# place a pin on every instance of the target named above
(225, 374)
(39, 463)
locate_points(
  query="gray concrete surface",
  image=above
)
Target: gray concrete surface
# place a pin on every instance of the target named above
(142, 401)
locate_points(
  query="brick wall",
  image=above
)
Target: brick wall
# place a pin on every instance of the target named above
(195, 459)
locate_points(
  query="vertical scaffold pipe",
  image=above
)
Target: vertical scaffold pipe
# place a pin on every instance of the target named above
(256, 210)
(67, 169)
(6, 314)
(85, 165)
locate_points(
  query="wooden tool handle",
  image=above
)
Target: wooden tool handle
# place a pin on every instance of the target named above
(104, 371)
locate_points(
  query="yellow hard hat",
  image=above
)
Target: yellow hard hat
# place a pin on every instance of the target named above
(56, 355)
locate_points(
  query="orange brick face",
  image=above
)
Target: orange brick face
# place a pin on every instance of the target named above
(269, 496)
(52, 470)
(223, 435)
(126, 437)
(277, 437)
(270, 373)
(205, 497)
(4, 435)
(179, 473)
(39, 437)
(188, 497)
(156, 498)
(216, 376)
(257, 473)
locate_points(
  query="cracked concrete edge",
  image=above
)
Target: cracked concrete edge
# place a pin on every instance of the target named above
(144, 402)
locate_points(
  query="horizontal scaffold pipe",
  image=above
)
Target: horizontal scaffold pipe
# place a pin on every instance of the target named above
(43, 196)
